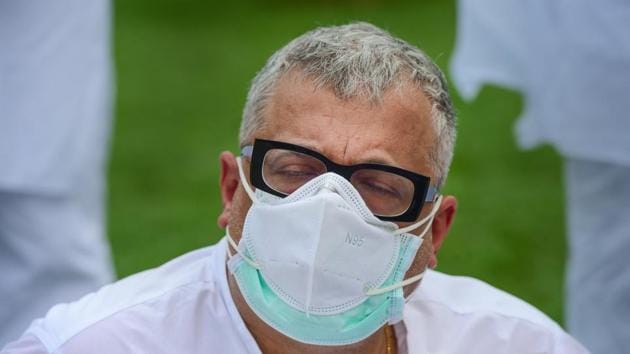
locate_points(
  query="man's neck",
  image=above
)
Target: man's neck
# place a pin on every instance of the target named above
(271, 341)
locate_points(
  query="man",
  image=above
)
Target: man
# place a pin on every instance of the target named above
(332, 214)
(55, 117)
(571, 62)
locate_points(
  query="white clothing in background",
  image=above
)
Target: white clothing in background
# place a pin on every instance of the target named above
(185, 306)
(55, 117)
(569, 58)
(598, 276)
(55, 92)
(571, 61)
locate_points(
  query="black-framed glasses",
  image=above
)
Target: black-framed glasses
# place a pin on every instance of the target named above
(391, 193)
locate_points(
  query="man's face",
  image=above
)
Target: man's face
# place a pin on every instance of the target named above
(398, 132)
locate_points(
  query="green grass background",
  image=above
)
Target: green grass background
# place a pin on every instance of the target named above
(183, 70)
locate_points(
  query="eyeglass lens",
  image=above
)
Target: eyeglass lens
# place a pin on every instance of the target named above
(385, 193)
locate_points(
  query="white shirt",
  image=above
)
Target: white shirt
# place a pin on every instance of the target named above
(185, 306)
(569, 58)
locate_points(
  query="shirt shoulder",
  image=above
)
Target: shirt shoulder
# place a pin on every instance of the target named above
(455, 314)
(145, 306)
(27, 344)
(466, 295)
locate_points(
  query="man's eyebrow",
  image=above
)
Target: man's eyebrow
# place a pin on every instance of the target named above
(377, 161)
(374, 159)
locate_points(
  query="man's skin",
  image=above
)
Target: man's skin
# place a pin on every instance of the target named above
(397, 132)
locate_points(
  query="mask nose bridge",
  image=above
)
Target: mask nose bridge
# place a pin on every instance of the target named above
(330, 183)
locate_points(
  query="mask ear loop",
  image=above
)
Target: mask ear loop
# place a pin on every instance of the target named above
(428, 220)
(235, 246)
(410, 280)
(406, 229)
(244, 182)
(251, 195)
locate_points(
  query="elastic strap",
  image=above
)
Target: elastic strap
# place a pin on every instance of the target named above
(405, 282)
(427, 219)
(246, 185)
(235, 246)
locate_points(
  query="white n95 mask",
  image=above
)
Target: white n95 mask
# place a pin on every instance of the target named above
(318, 266)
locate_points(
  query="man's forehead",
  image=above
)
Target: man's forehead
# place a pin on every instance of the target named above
(398, 130)
(403, 103)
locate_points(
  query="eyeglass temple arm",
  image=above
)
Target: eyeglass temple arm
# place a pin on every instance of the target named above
(432, 193)
(247, 150)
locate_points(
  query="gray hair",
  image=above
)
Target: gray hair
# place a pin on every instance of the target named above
(353, 60)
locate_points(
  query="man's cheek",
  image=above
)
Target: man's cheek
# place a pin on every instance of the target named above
(417, 266)
(240, 206)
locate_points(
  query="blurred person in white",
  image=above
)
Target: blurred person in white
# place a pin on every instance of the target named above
(571, 61)
(332, 214)
(55, 116)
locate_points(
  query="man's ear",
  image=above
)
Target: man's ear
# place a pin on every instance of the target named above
(441, 225)
(229, 183)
